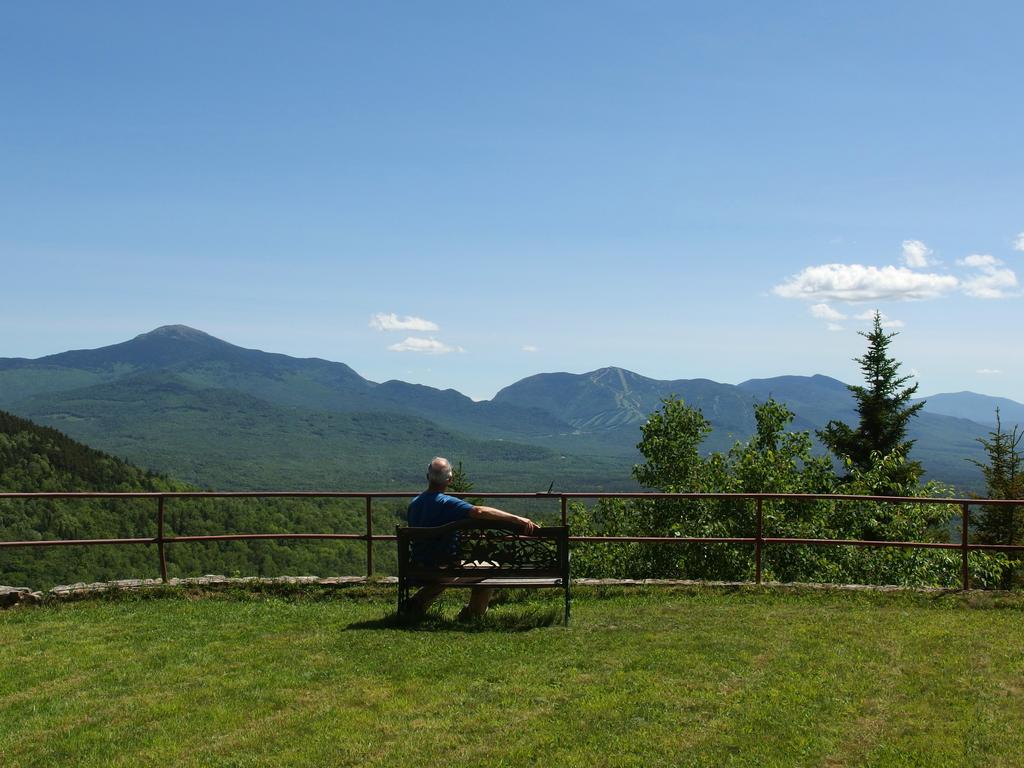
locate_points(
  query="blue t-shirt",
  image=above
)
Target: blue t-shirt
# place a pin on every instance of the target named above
(428, 510)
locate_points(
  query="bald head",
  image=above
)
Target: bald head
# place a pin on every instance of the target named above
(439, 473)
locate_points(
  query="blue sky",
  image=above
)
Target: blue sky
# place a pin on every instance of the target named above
(463, 194)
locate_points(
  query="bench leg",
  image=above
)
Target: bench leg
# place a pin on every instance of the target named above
(403, 596)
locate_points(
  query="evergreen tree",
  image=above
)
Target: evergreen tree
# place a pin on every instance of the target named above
(884, 409)
(461, 484)
(1004, 479)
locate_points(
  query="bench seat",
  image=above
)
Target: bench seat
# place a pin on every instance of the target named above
(485, 554)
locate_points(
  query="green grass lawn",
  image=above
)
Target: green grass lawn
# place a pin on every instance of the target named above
(643, 677)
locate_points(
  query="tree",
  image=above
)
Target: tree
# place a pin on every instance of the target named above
(1004, 479)
(883, 406)
(671, 438)
(773, 460)
(461, 484)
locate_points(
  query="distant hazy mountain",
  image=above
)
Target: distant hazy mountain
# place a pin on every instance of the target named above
(618, 401)
(814, 399)
(979, 408)
(195, 355)
(179, 400)
(207, 362)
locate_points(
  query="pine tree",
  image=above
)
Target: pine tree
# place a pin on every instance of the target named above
(1004, 479)
(884, 410)
(461, 484)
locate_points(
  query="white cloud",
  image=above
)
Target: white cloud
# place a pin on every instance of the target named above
(424, 346)
(856, 282)
(1018, 243)
(980, 260)
(835, 327)
(825, 312)
(992, 280)
(391, 322)
(530, 348)
(916, 254)
(988, 371)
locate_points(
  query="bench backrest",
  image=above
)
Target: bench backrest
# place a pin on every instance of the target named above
(479, 544)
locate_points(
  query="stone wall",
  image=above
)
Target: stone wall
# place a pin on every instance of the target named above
(11, 596)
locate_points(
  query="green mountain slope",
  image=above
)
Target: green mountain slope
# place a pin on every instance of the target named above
(35, 458)
(613, 397)
(607, 407)
(274, 436)
(228, 439)
(207, 362)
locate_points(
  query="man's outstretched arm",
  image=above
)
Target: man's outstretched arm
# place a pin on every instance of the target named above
(490, 513)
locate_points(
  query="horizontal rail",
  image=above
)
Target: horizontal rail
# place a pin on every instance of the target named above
(581, 539)
(256, 494)
(786, 497)
(75, 542)
(507, 495)
(241, 536)
(758, 540)
(863, 543)
(667, 539)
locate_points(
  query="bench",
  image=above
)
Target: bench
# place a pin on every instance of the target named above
(484, 554)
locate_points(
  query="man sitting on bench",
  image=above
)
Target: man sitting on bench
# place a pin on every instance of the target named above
(434, 507)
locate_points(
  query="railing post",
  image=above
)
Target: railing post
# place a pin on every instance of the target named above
(369, 536)
(160, 538)
(565, 511)
(759, 541)
(965, 571)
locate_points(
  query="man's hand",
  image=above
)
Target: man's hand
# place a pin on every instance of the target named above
(529, 527)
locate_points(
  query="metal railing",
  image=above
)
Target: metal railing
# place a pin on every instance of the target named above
(758, 540)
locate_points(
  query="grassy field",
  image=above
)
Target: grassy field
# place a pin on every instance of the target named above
(643, 677)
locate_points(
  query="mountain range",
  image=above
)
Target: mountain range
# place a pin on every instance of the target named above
(182, 402)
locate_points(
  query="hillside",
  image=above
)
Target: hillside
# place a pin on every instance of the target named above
(610, 399)
(35, 458)
(226, 439)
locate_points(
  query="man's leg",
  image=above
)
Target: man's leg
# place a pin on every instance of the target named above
(479, 598)
(424, 598)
